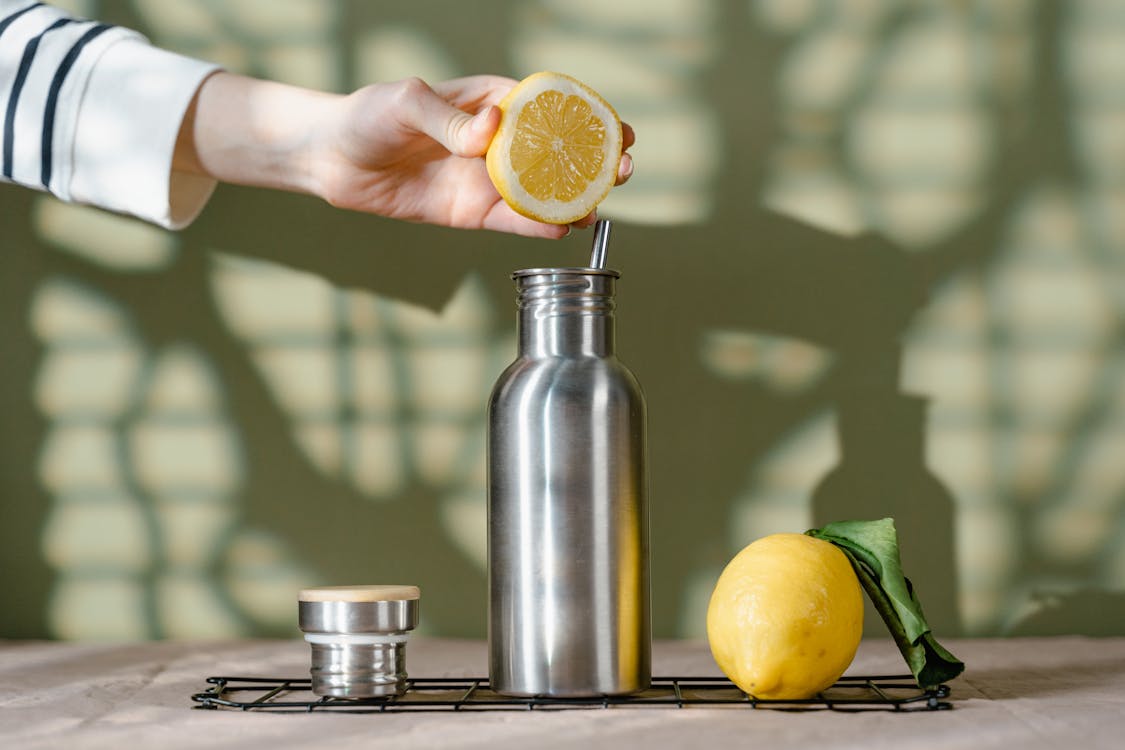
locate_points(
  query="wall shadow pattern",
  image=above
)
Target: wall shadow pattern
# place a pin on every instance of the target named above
(194, 503)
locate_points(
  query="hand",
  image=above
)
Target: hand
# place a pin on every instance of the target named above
(403, 150)
(410, 151)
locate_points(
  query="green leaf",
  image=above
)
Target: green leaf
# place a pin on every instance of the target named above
(872, 548)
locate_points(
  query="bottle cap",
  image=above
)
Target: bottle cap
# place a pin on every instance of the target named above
(358, 636)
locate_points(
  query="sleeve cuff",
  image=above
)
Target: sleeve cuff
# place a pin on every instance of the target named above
(128, 120)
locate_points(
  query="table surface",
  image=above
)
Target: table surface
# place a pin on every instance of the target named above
(1025, 693)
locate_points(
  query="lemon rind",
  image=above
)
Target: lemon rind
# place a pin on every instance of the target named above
(507, 182)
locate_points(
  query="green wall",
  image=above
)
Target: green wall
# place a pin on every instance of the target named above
(871, 265)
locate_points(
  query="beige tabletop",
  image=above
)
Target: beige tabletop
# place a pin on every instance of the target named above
(1023, 693)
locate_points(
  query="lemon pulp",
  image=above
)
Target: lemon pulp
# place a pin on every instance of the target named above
(556, 153)
(558, 148)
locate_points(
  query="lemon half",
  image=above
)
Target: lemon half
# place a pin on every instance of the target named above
(556, 153)
(786, 617)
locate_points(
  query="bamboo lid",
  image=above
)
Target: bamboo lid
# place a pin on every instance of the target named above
(365, 593)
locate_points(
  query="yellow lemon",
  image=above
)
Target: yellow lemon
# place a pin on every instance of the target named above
(556, 152)
(785, 617)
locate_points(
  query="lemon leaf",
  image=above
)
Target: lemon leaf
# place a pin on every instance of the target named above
(872, 548)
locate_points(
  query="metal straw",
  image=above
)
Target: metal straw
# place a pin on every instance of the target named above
(601, 243)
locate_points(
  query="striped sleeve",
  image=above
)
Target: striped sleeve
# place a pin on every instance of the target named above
(90, 112)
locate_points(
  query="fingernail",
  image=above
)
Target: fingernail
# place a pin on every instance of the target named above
(477, 122)
(627, 163)
(482, 117)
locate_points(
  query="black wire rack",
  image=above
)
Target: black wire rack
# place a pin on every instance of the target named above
(849, 694)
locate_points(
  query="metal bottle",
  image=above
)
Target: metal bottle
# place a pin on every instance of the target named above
(567, 516)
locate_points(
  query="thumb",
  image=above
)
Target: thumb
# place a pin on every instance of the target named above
(469, 135)
(461, 133)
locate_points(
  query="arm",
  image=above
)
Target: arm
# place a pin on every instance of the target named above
(100, 116)
(404, 150)
(90, 113)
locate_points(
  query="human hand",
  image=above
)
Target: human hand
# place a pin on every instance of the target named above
(411, 151)
(404, 150)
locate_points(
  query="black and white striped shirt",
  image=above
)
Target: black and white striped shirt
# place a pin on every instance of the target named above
(90, 112)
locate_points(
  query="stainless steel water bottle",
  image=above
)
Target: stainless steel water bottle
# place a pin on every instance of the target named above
(567, 517)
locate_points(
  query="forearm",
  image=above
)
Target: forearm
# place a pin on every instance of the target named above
(94, 112)
(253, 132)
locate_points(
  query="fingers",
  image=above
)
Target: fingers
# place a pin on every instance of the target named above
(477, 136)
(502, 218)
(624, 170)
(474, 92)
(461, 133)
(586, 221)
(441, 114)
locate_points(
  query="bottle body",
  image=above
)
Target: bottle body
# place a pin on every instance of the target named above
(568, 521)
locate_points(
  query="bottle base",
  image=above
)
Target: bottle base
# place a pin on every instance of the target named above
(571, 692)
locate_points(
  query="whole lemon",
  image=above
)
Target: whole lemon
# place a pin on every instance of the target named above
(785, 617)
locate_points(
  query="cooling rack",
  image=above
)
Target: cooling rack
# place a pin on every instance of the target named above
(849, 694)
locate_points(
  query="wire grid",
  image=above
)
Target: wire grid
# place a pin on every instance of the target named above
(849, 694)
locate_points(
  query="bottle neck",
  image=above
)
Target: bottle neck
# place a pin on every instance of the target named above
(565, 313)
(882, 428)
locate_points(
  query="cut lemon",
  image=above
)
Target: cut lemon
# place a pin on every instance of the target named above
(556, 153)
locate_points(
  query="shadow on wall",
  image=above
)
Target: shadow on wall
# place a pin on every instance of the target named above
(1089, 612)
(850, 295)
(745, 269)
